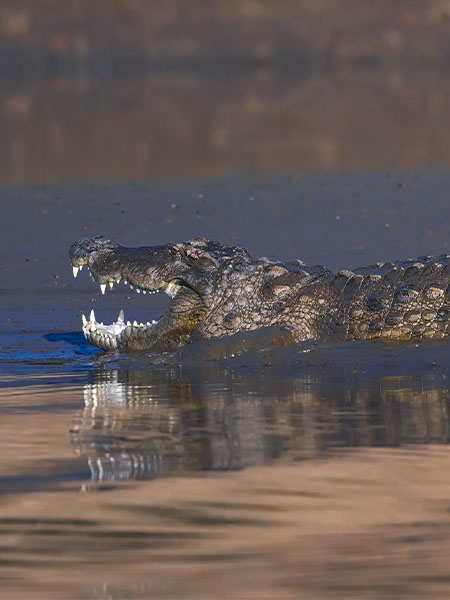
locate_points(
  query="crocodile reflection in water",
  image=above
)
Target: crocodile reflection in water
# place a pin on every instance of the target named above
(147, 424)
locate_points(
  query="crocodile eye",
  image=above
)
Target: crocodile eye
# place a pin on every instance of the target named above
(206, 263)
(203, 261)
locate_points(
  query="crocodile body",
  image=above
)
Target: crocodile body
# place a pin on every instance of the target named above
(220, 290)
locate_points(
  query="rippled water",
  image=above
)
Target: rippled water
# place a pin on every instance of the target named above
(278, 472)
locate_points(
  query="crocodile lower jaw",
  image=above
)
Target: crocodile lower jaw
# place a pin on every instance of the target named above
(106, 336)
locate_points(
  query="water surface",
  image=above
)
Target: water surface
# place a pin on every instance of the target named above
(233, 468)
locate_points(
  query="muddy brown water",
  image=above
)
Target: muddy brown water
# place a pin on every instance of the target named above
(231, 469)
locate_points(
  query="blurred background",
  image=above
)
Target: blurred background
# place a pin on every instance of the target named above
(145, 89)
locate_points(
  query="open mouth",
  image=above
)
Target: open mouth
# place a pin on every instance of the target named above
(171, 329)
(105, 335)
(184, 271)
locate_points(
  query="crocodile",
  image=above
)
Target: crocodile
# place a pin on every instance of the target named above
(218, 290)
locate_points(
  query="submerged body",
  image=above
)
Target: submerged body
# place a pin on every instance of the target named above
(221, 290)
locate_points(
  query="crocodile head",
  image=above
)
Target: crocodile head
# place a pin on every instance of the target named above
(205, 280)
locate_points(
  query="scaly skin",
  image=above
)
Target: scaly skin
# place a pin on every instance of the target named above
(220, 290)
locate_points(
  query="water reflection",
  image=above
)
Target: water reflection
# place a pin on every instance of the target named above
(151, 423)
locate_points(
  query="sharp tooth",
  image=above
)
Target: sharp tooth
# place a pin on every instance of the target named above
(141, 325)
(154, 322)
(92, 316)
(111, 284)
(131, 287)
(84, 320)
(138, 291)
(128, 324)
(75, 271)
(117, 280)
(148, 323)
(121, 317)
(103, 288)
(93, 326)
(80, 267)
(135, 324)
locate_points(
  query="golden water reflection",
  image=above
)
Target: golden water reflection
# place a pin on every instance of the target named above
(148, 424)
(207, 483)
